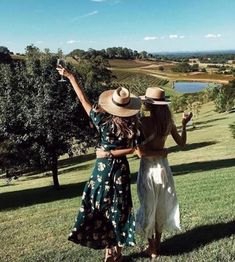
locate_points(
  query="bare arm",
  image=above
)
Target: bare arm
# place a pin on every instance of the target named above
(114, 153)
(181, 139)
(77, 88)
(122, 152)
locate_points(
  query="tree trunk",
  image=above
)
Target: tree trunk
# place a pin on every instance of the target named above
(54, 168)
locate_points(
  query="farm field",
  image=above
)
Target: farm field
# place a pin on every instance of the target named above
(35, 220)
(151, 69)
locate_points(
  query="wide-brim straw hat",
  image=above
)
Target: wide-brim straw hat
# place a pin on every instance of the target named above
(120, 102)
(155, 96)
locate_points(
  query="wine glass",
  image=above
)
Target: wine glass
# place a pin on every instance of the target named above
(61, 62)
(186, 114)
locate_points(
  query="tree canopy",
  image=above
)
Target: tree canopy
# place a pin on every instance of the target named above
(41, 118)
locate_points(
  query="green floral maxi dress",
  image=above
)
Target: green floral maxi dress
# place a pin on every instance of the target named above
(105, 218)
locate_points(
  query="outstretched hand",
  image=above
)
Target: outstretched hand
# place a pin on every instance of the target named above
(186, 118)
(63, 71)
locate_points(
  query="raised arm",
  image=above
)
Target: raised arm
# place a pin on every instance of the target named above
(181, 139)
(77, 88)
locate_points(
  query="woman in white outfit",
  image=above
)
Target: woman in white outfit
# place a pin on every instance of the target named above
(159, 209)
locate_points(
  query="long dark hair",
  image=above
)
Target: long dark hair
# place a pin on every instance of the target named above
(125, 127)
(162, 119)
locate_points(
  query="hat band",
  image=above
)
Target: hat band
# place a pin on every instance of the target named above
(119, 104)
(156, 99)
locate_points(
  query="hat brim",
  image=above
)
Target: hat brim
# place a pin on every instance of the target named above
(131, 109)
(153, 102)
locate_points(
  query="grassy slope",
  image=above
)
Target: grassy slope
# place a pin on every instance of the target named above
(35, 220)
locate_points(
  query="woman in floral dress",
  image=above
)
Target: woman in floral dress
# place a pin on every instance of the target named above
(105, 219)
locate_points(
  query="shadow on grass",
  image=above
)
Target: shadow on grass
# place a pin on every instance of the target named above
(191, 146)
(197, 237)
(202, 166)
(191, 240)
(76, 160)
(28, 197)
(196, 127)
(76, 168)
(209, 121)
(64, 163)
(194, 167)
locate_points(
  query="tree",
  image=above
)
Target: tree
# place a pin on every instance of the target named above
(143, 55)
(5, 56)
(225, 99)
(43, 116)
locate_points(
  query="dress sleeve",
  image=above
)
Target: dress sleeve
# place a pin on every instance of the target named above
(96, 116)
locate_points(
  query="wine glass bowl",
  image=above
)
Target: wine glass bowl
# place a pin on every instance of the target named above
(61, 62)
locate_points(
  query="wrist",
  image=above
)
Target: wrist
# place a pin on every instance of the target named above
(110, 155)
(71, 77)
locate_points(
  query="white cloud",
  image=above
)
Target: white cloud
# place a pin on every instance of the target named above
(39, 42)
(99, 1)
(74, 19)
(149, 38)
(91, 13)
(173, 36)
(72, 42)
(213, 35)
(181, 36)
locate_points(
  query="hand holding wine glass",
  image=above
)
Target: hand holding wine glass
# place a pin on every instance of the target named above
(187, 116)
(61, 63)
(63, 71)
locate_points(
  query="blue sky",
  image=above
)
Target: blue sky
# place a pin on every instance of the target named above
(151, 25)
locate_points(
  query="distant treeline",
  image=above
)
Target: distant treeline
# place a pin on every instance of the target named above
(127, 53)
(219, 58)
(111, 53)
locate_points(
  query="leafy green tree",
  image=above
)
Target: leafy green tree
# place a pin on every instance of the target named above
(225, 99)
(42, 117)
(143, 55)
(5, 55)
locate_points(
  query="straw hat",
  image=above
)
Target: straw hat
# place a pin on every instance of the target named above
(120, 102)
(155, 96)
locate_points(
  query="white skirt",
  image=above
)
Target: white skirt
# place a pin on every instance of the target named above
(159, 208)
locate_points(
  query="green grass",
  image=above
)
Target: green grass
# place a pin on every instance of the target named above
(35, 219)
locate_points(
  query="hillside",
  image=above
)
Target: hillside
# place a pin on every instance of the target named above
(39, 218)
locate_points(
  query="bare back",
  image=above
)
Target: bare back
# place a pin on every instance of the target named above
(155, 142)
(158, 142)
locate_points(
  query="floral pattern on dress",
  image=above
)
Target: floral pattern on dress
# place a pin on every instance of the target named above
(105, 218)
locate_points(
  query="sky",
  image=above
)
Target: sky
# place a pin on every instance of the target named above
(150, 25)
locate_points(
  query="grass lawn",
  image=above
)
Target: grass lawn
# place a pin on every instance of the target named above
(35, 220)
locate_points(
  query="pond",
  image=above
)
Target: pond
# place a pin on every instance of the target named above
(192, 87)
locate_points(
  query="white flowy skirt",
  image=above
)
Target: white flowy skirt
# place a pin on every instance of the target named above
(159, 208)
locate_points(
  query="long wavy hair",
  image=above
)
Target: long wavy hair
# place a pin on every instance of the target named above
(162, 119)
(125, 127)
